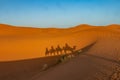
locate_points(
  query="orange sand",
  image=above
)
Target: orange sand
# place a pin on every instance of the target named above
(24, 43)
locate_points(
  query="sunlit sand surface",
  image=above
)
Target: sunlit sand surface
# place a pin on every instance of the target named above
(22, 53)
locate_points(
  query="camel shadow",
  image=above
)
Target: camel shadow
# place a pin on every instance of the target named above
(59, 50)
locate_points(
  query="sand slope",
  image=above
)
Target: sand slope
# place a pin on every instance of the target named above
(26, 43)
(100, 62)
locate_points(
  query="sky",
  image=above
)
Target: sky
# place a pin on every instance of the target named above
(59, 13)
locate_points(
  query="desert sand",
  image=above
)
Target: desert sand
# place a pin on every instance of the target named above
(23, 53)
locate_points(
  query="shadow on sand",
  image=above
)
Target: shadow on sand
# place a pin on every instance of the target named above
(60, 50)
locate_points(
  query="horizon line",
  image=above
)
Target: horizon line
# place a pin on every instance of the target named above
(58, 27)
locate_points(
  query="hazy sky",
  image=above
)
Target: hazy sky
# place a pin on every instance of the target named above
(59, 13)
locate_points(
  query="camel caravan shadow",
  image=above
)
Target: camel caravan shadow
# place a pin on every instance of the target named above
(60, 50)
(65, 53)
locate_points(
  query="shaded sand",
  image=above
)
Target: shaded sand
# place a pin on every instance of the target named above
(84, 67)
(25, 69)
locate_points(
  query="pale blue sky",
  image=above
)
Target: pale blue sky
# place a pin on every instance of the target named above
(59, 13)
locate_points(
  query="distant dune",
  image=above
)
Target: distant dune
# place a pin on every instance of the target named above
(19, 43)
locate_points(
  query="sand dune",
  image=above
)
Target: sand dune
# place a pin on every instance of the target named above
(85, 66)
(26, 43)
(99, 62)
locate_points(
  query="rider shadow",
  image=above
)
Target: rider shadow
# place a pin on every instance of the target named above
(46, 52)
(52, 51)
(58, 50)
(67, 48)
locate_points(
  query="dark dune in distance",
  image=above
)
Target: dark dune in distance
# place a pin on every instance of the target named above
(23, 49)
